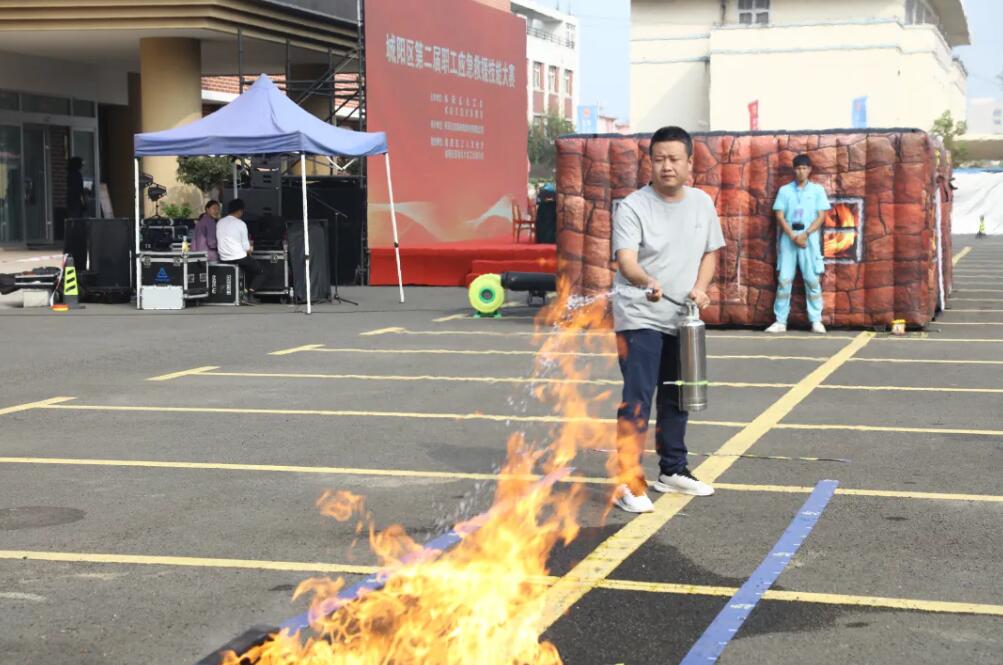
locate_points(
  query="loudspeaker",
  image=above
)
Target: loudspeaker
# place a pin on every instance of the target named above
(320, 267)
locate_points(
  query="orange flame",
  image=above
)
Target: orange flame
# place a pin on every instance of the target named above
(481, 601)
(835, 243)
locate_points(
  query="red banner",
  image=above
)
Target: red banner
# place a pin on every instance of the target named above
(446, 80)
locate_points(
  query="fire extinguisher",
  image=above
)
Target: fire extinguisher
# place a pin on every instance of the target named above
(692, 335)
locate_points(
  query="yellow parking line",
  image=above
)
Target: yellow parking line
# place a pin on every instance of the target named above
(519, 352)
(926, 337)
(763, 337)
(486, 333)
(979, 275)
(960, 255)
(287, 468)
(187, 372)
(34, 405)
(926, 361)
(296, 349)
(875, 428)
(189, 561)
(728, 451)
(969, 323)
(505, 380)
(604, 559)
(964, 290)
(397, 330)
(976, 300)
(418, 377)
(451, 317)
(460, 379)
(913, 604)
(919, 389)
(975, 311)
(354, 413)
(845, 491)
(461, 475)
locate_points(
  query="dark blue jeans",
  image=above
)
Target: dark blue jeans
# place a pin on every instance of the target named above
(648, 359)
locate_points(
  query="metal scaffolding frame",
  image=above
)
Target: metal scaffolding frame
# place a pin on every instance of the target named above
(339, 96)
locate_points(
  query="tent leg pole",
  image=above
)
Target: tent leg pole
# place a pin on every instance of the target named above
(393, 223)
(138, 198)
(236, 187)
(306, 231)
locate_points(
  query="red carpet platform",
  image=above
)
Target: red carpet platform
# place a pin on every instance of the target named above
(456, 264)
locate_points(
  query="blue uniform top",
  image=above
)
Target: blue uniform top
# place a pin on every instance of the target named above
(801, 205)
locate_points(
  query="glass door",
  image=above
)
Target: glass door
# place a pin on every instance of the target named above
(37, 208)
(11, 227)
(84, 148)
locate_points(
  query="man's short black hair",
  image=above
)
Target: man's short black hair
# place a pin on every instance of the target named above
(672, 133)
(235, 205)
(802, 160)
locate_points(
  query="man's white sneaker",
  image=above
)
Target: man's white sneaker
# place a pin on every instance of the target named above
(777, 327)
(683, 483)
(626, 500)
(818, 328)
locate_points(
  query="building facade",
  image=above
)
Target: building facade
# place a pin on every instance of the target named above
(985, 116)
(553, 61)
(734, 65)
(80, 79)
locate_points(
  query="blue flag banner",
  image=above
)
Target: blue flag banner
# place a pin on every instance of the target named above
(588, 119)
(859, 119)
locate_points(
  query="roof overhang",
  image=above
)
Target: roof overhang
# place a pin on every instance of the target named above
(955, 21)
(107, 32)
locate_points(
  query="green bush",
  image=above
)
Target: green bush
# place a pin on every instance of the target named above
(206, 173)
(176, 211)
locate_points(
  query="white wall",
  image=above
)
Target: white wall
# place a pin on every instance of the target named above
(805, 68)
(983, 118)
(62, 78)
(806, 11)
(670, 70)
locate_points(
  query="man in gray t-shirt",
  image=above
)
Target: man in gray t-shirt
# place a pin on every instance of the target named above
(665, 237)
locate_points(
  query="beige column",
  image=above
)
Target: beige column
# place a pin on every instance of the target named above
(171, 96)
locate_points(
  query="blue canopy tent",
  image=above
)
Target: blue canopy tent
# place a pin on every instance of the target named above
(263, 121)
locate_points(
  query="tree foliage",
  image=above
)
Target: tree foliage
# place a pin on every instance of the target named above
(206, 173)
(948, 130)
(542, 132)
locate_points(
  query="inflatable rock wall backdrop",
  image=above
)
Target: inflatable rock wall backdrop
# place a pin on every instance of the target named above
(887, 239)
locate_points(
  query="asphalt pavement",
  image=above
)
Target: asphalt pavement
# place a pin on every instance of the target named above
(158, 474)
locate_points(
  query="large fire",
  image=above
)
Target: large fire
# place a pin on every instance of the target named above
(835, 243)
(481, 601)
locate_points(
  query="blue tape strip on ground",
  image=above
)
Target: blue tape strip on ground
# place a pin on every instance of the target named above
(730, 619)
(372, 583)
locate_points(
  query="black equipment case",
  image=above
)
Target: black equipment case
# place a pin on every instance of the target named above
(189, 271)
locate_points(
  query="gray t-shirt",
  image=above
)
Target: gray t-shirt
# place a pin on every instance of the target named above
(670, 239)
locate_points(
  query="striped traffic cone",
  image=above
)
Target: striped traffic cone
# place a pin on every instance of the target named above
(71, 293)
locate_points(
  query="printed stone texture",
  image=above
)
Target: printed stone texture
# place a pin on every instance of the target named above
(897, 175)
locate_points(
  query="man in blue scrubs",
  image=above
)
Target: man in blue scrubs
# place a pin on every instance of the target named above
(800, 208)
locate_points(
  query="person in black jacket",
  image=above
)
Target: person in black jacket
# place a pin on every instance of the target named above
(76, 198)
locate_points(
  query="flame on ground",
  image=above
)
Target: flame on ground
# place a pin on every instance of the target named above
(479, 602)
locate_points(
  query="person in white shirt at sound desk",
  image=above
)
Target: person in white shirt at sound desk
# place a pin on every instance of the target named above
(234, 246)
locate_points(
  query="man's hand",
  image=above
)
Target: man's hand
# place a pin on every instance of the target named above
(653, 290)
(700, 297)
(801, 240)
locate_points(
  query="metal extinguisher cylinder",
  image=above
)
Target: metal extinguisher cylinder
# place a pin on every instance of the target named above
(692, 360)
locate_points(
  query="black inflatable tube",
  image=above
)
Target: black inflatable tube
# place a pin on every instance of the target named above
(529, 281)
